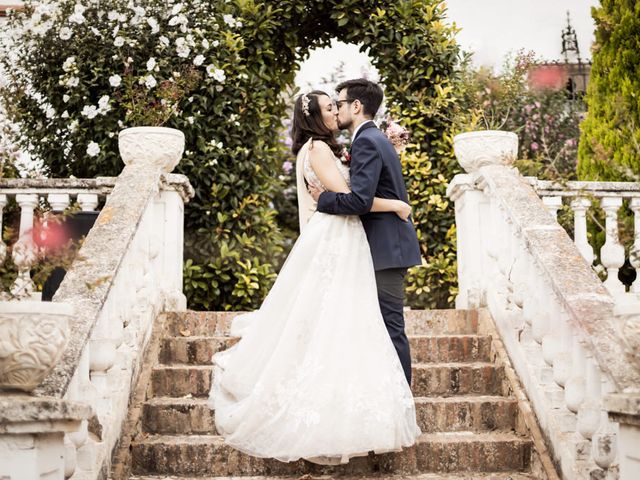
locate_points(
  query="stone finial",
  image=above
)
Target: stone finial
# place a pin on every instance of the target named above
(488, 147)
(158, 147)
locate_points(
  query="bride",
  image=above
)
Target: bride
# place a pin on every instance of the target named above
(315, 374)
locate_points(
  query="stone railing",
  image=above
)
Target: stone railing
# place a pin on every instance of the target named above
(30, 194)
(554, 315)
(128, 270)
(610, 197)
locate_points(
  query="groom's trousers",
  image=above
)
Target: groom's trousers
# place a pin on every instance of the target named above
(390, 284)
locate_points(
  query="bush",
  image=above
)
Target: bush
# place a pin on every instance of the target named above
(610, 144)
(73, 57)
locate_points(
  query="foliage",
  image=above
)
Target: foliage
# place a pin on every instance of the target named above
(247, 52)
(546, 120)
(155, 106)
(610, 143)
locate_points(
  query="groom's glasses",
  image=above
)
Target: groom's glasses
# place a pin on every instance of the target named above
(340, 102)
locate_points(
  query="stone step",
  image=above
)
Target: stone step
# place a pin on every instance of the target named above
(423, 476)
(208, 455)
(418, 322)
(424, 348)
(437, 379)
(186, 416)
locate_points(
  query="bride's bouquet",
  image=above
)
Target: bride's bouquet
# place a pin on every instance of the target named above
(396, 133)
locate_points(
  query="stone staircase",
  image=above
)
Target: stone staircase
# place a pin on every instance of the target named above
(471, 421)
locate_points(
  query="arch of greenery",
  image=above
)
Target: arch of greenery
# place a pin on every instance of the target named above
(234, 149)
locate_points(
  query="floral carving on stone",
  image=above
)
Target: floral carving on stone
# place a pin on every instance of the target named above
(33, 336)
(158, 147)
(491, 147)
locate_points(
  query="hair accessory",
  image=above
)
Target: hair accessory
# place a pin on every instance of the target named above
(305, 104)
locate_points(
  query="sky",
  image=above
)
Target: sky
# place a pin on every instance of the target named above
(490, 29)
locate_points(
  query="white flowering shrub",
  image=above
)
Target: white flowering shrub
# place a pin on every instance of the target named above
(78, 72)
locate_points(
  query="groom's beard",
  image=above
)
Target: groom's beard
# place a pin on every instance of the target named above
(345, 125)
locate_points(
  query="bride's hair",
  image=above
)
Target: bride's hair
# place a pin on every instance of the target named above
(308, 123)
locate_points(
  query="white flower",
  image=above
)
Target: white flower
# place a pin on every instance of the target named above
(215, 43)
(205, 43)
(77, 18)
(115, 80)
(176, 9)
(164, 41)
(139, 11)
(178, 20)
(68, 64)
(73, 126)
(151, 64)
(190, 120)
(66, 98)
(149, 81)
(118, 42)
(65, 114)
(153, 23)
(217, 73)
(89, 111)
(198, 60)
(113, 15)
(181, 48)
(50, 112)
(103, 104)
(96, 32)
(229, 20)
(73, 82)
(93, 149)
(65, 33)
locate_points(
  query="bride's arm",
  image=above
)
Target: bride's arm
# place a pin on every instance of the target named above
(323, 163)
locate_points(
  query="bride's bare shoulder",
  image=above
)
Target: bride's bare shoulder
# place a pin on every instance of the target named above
(319, 148)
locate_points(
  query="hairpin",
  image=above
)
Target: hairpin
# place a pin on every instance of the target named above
(305, 104)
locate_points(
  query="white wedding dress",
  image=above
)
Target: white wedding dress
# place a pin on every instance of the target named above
(315, 374)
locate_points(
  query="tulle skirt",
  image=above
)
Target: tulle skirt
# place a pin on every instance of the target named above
(315, 374)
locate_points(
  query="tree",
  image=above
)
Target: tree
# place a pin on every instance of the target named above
(610, 143)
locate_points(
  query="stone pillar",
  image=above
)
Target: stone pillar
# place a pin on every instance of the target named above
(172, 249)
(624, 408)
(32, 431)
(467, 201)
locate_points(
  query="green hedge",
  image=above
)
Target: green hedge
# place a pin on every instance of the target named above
(610, 143)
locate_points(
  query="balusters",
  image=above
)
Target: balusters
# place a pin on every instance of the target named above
(553, 204)
(612, 253)
(58, 201)
(634, 254)
(579, 207)
(3, 246)
(88, 202)
(24, 251)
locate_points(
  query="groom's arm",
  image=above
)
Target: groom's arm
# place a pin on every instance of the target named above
(366, 165)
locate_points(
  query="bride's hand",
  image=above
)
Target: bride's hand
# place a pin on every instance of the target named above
(403, 210)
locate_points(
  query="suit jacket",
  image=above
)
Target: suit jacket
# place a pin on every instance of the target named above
(376, 172)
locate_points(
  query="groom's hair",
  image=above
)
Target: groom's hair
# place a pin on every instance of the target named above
(369, 93)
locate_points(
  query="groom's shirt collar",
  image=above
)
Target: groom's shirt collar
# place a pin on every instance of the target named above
(355, 132)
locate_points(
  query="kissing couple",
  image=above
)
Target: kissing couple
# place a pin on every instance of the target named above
(323, 370)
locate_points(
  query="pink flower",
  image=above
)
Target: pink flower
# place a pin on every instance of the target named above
(534, 146)
(287, 167)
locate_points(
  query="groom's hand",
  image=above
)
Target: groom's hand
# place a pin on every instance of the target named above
(315, 192)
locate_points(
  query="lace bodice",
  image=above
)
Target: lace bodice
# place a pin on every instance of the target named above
(312, 178)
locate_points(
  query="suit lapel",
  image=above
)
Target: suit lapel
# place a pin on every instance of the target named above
(368, 124)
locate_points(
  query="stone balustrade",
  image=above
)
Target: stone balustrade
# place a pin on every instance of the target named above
(614, 199)
(556, 318)
(54, 194)
(127, 271)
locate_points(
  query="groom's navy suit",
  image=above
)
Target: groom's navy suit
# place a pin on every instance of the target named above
(376, 172)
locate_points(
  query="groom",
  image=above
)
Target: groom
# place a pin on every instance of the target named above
(376, 172)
